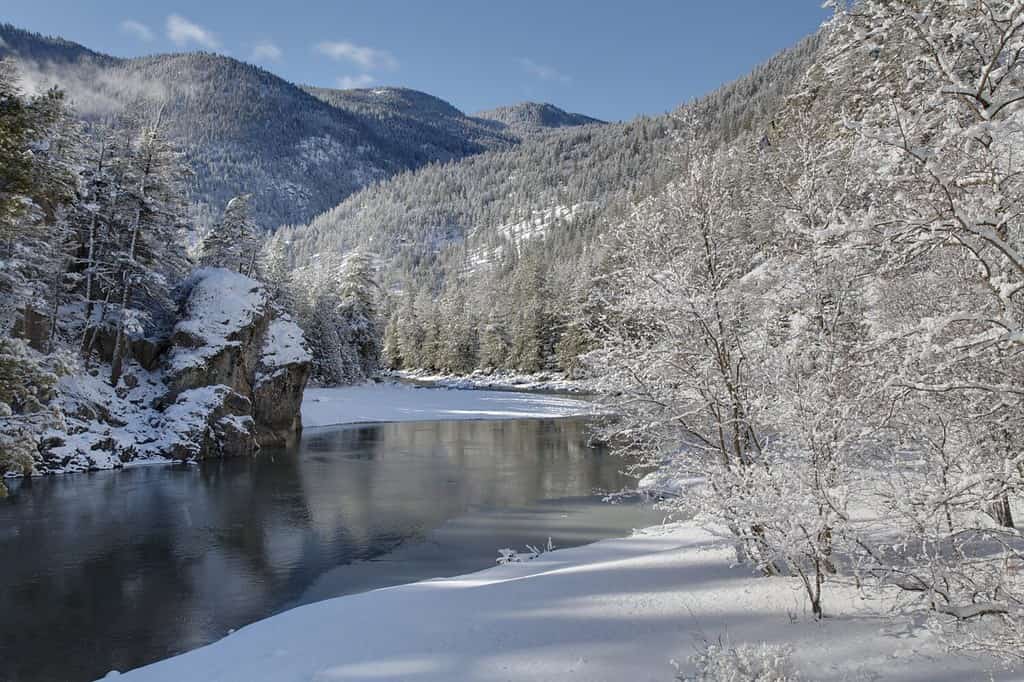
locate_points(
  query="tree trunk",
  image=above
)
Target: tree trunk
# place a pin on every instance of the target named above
(1001, 512)
(117, 361)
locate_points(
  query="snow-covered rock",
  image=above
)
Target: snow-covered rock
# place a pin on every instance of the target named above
(228, 379)
(232, 335)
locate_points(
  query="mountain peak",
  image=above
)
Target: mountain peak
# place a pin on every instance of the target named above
(535, 117)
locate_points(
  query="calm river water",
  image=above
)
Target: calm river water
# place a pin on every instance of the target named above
(112, 570)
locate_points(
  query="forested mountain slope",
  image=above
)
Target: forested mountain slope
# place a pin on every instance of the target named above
(417, 124)
(483, 241)
(417, 215)
(299, 151)
(532, 117)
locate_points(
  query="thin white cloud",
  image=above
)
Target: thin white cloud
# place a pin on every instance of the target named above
(544, 72)
(369, 58)
(137, 30)
(360, 81)
(181, 32)
(266, 51)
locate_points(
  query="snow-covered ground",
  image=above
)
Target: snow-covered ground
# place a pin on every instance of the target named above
(615, 610)
(392, 402)
(502, 380)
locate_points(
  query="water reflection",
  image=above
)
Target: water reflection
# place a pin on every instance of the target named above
(112, 570)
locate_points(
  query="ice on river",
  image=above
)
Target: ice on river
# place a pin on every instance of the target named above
(393, 402)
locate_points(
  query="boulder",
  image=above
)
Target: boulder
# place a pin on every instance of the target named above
(228, 379)
(212, 421)
(280, 381)
(232, 335)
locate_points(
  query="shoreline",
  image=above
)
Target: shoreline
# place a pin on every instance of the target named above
(549, 383)
(381, 414)
(624, 608)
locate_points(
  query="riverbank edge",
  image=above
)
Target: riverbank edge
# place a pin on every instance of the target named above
(540, 382)
(629, 608)
(309, 405)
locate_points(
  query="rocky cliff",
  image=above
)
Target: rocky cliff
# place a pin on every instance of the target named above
(226, 380)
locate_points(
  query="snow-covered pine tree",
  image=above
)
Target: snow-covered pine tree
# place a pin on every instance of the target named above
(150, 217)
(533, 329)
(234, 242)
(494, 344)
(358, 317)
(38, 185)
(409, 330)
(276, 273)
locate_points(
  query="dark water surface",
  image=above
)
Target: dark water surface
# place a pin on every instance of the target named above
(112, 570)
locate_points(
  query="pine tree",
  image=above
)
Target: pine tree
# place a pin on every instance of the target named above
(410, 331)
(15, 155)
(26, 386)
(233, 243)
(358, 318)
(148, 245)
(392, 348)
(38, 187)
(494, 344)
(275, 272)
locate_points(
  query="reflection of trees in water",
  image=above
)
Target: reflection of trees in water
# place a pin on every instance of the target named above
(117, 569)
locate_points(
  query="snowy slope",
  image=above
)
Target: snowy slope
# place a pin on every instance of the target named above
(391, 402)
(614, 610)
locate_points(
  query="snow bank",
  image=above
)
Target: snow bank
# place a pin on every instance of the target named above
(391, 402)
(221, 304)
(614, 610)
(515, 381)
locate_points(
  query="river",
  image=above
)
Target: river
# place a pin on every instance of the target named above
(113, 570)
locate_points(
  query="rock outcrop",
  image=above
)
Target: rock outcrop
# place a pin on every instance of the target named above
(231, 335)
(227, 380)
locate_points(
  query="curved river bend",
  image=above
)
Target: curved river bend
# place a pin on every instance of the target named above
(112, 570)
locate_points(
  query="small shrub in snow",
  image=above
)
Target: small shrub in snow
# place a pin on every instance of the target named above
(511, 556)
(721, 662)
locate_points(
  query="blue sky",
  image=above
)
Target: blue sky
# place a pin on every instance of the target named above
(613, 59)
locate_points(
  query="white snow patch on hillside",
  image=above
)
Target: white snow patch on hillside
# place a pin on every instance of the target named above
(615, 610)
(390, 402)
(523, 231)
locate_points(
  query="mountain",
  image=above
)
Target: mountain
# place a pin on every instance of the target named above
(489, 261)
(528, 118)
(470, 213)
(422, 125)
(37, 47)
(299, 151)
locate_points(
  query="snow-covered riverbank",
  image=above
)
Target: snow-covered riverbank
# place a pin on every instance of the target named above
(614, 610)
(502, 381)
(617, 609)
(393, 402)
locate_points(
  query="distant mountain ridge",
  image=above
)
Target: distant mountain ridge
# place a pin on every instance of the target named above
(298, 150)
(427, 126)
(530, 117)
(556, 192)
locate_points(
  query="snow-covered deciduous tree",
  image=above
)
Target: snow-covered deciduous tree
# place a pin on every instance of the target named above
(678, 348)
(934, 93)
